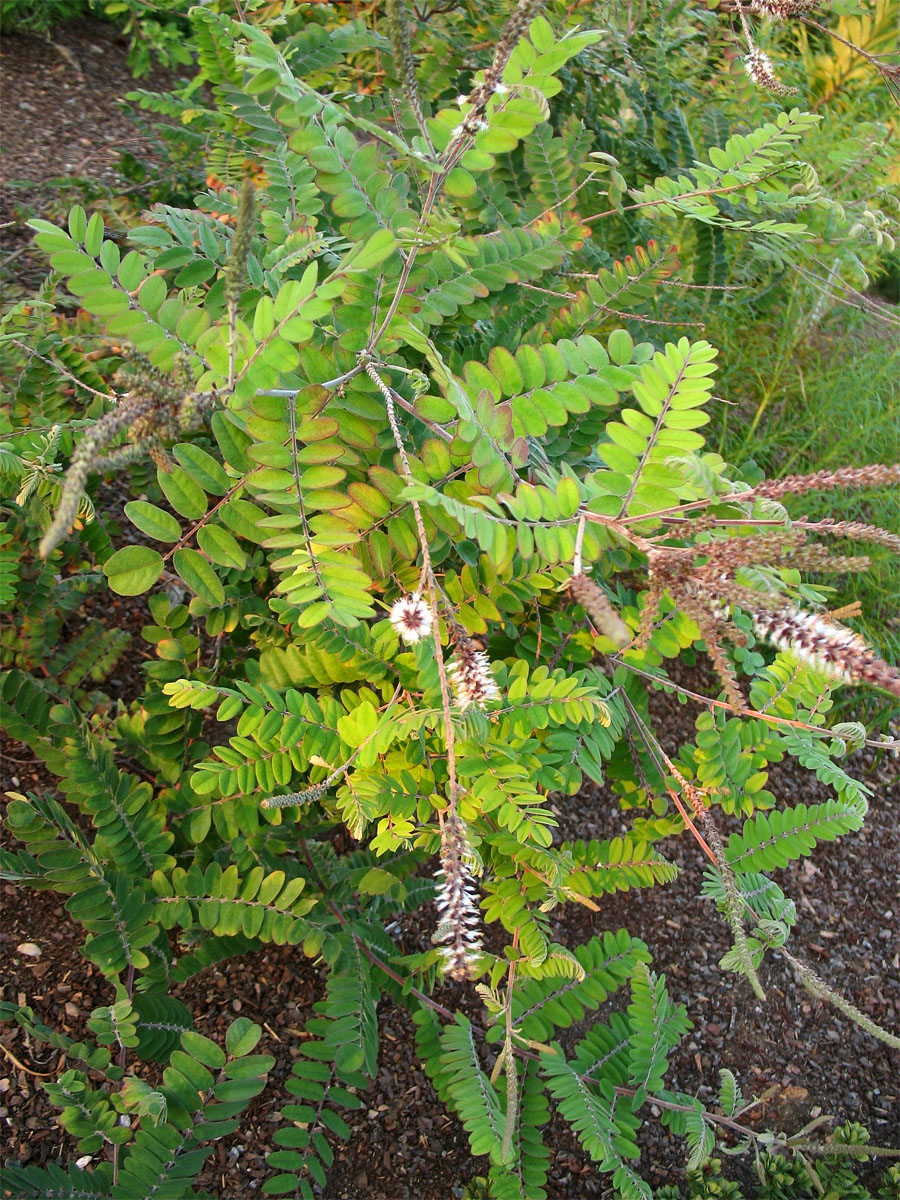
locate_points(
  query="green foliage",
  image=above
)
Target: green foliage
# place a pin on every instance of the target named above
(470, 1091)
(151, 39)
(405, 376)
(316, 1081)
(38, 16)
(773, 840)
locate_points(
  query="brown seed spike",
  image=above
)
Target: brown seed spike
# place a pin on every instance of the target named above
(597, 605)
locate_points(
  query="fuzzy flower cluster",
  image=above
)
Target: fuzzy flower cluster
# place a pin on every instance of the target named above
(153, 410)
(457, 901)
(470, 674)
(782, 10)
(829, 648)
(240, 245)
(759, 67)
(704, 582)
(411, 617)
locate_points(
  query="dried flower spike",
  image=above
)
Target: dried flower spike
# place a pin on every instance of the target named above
(846, 477)
(457, 902)
(411, 617)
(598, 607)
(514, 29)
(398, 28)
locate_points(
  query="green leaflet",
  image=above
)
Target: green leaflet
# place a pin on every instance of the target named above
(221, 547)
(115, 914)
(773, 839)
(656, 1026)
(198, 575)
(260, 906)
(671, 391)
(491, 264)
(105, 286)
(133, 569)
(589, 1114)
(616, 865)
(469, 1090)
(161, 526)
(531, 77)
(608, 961)
(630, 284)
(528, 1172)
(352, 1030)
(320, 1089)
(745, 163)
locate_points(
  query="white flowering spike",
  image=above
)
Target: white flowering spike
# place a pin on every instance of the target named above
(835, 651)
(411, 618)
(759, 67)
(471, 679)
(457, 902)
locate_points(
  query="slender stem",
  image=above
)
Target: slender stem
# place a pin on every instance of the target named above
(331, 384)
(64, 371)
(232, 343)
(449, 737)
(21, 1066)
(295, 464)
(740, 712)
(129, 988)
(430, 198)
(655, 751)
(579, 545)
(182, 541)
(875, 59)
(512, 1082)
(428, 575)
(437, 430)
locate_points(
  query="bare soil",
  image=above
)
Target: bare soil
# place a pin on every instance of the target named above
(61, 118)
(64, 130)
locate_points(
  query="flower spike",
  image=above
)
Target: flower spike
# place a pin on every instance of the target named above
(457, 902)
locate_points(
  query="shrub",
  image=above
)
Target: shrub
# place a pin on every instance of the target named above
(424, 525)
(38, 16)
(150, 39)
